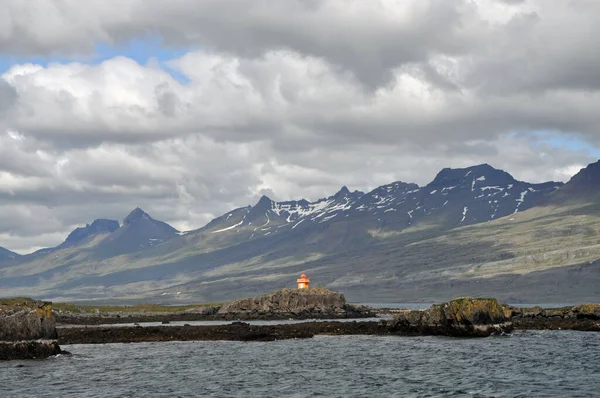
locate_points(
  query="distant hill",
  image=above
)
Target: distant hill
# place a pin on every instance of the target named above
(83, 234)
(139, 231)
(471, 231)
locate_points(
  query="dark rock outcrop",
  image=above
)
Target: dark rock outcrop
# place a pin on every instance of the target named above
(464, 317)
(232, 332)
(584, 317)
(28, 350)
(315, 302)
(200, 313)
(27, 329)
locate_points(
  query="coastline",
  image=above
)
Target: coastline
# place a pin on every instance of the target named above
(579, 318)
(236, 331)
(279, 316)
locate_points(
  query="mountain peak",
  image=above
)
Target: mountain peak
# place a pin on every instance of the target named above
(587, 179)
(264, 203)
(97, 226)
(135, 215)
(342, 192)
(484, 171)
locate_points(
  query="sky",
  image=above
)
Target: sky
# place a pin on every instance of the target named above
(190, 108)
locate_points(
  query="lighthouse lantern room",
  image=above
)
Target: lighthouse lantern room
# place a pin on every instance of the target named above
(303, 282)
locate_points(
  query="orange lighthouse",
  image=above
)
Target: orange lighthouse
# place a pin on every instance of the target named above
(303, 282)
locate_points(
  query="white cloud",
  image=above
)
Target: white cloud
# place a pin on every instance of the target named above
(295, 99)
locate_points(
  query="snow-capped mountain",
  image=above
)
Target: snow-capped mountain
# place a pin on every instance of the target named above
(454, 198)
(385, 238)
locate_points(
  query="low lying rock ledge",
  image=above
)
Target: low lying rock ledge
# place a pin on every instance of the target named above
(583, 317)
(233, 332)
(28, 349)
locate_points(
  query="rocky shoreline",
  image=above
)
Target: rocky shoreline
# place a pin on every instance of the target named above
(463, 317)
(27, 329)
(297, 304)
(500, 318)
(585, 317)
(460, 318)
(120, 318)
(38, 349)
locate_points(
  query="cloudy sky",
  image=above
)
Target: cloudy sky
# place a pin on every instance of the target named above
(189, 108)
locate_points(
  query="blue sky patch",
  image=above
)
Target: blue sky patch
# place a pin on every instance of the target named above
(139, 50)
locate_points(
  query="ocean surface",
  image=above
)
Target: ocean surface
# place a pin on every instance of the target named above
(525, 364)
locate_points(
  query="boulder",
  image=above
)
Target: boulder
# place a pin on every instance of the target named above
(315, 302)
(26, 319)
(464, 317)
(28, 350)
(27, 329)
(587, 311)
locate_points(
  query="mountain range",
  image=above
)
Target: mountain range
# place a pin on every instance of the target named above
(471, 231)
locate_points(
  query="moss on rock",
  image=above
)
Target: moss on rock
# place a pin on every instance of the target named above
(465, 317)
(26, 319)
(27, 329)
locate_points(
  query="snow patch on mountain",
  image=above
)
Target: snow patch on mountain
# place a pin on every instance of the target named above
(228, 228)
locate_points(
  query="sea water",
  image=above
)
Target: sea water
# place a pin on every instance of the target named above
(524, 364)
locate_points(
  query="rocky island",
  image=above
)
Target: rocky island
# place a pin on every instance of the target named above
(27, 329)
(463, 317)
(307, 303)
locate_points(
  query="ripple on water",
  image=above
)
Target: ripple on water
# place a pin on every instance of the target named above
(557, 364)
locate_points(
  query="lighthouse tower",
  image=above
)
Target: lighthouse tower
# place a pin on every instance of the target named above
(303, 282)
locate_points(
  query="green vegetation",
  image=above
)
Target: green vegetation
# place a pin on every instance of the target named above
(13, 300)
(6, 303)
